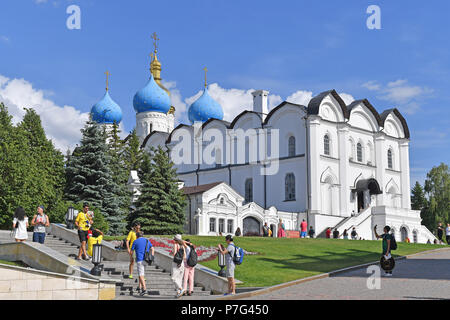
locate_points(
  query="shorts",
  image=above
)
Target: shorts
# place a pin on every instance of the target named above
(303, 235)
(82, 235)
(230, 270)
(141, 268)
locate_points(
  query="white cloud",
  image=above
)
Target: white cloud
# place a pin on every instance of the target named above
(62, 124)
(300, 97)
(406, 96)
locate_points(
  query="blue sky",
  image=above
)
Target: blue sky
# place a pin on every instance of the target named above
(285, 47)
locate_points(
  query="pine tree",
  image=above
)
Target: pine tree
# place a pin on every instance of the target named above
(89, 176)
(133, 153)
(160, 208)
(120, 175)
(418, 200)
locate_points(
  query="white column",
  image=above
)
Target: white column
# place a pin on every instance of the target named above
(381, 163)
(405, 178)
(344, 190)
(314, 160)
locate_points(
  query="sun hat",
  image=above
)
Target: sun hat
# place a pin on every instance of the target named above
(177, 237)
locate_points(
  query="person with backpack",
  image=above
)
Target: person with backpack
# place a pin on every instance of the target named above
(354, 234)
(20, 225)
(387, 261)
(40, 221)
(266, 230)
(141, 246)
(189, 267)
(230, 253)
(311, 232)
(179, 258)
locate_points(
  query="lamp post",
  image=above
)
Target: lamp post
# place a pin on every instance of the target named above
(97, 259)
(70, 217)
(222, 264)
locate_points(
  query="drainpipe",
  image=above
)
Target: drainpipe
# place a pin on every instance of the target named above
(308, 173)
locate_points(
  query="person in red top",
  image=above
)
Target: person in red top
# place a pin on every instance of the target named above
(328, 233)
(303, 228)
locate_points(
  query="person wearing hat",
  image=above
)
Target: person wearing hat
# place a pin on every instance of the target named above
(229, 253)
(179, 258)
(39, 222)
(83, 223)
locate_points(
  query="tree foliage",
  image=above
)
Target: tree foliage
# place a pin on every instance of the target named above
(160, 208)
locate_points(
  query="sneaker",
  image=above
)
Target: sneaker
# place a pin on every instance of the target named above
(181, 293)
(388, 274)
(189, 293)
(143, 292)
(130, 276)
(138, 290)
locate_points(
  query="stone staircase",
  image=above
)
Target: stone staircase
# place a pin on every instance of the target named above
(158, 282)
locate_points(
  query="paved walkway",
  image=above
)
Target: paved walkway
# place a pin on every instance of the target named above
(425, 276)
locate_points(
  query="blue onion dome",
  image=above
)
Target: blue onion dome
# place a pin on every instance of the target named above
(205, 108)
(151, 98)
(106, 111)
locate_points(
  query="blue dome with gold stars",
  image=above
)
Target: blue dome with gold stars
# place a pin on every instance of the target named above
(106, 111)
(205, 108)
(151, 98)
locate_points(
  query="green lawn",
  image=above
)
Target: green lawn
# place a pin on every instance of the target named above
(9, 263)
(283, 260)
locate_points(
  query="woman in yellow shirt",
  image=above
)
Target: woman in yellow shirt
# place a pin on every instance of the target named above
(130, 239)
(96, 238)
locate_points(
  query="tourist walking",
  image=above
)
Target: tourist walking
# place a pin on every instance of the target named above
(328, 233)
(303, 228)
(189, 268)
(335, 234)
(266, 230)
(229, 254)
(39, 222)
(440, 232)
(20, 225)
(132, 236)
(140, 246)
(281, 230)
(311, 232)
(387, 261)
(447, 233)
(354, 234)
(345, 234)
(83, 223)
(179, 259)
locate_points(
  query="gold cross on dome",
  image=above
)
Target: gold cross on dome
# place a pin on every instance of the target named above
(155, 38)
(206, 73)
(107, 79)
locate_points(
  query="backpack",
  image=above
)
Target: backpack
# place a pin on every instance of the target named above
(148, 257)
(178, 258)
(193, 258)
(393, 243)
(238, 255)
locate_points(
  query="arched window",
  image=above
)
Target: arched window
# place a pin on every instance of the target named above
(359, 152)
(290, 187)
(249, 190)
(390, 159)
(326, 145)
(291, 146)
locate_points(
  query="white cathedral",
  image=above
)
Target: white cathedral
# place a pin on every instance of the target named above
(338, 166)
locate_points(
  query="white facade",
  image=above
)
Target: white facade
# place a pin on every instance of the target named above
(148, 122)
(339, 166)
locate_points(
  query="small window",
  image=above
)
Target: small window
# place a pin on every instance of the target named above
(212, 224)
(292, 146)
(222, 201)
(326, 145)
(390, 162)
(249, 190)
(290, 187)
(359, 152)
(415, 236)
(230, 226)
(222, 225)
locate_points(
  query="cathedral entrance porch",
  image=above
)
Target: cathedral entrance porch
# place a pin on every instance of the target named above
(364, 190)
